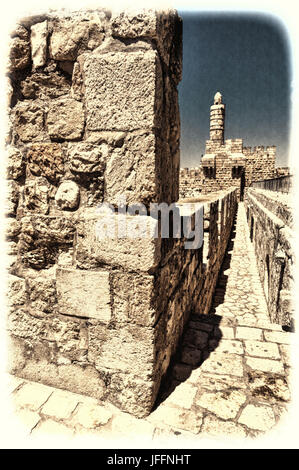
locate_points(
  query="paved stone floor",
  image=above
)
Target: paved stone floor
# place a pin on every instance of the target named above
(229, 379)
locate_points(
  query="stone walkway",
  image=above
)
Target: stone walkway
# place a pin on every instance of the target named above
(230, 377)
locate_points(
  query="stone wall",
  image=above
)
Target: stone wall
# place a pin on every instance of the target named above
(270, 221)
(219, 216)
(94, 116)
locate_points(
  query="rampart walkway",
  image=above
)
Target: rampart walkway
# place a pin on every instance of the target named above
(230, 376)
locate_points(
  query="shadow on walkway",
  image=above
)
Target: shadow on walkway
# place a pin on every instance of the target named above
(201, 336)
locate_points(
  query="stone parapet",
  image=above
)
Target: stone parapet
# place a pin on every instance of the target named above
(270, 223)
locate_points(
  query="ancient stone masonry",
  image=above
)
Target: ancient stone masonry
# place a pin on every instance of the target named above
(94, 116)
(270, 220)
(227, 163)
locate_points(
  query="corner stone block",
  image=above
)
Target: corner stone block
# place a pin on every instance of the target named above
(163, 27)
(123, 91)
(131, 170)
(84, 293)
(104, 240)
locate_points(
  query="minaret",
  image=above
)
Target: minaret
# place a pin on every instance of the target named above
(217, 115)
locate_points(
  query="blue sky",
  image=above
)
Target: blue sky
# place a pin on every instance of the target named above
(245, 56)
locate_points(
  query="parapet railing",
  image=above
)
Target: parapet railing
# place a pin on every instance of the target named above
(282, 184)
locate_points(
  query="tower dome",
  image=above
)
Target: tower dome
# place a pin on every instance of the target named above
(218, 98)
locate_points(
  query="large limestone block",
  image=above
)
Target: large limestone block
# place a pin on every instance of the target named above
(71, 37)
(128, 349)
(163, 27)
(84, 293)
(131, 170)
(123, 91)
(65, 119)
(109, 240)
(135, 299)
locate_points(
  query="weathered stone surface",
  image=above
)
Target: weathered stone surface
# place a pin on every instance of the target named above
(126, 167)
(20, 31)
(110, 103)
(52, 428)
(137, 396)
(225, 404)
(133, 24)
(71, 38)
(134, 298)
(87, 158)
(36, 195)
(134, 345)
(32, 396)
(91, 415)
(280, 337)
(227, 346)
(196, 338)
(84, 293)
(28, 121)
(183, 396)
(15, 164)
(17, 291)
(243, 332)
(68, 195)
(29, 418)
(45, 85)
(164, 27)
(13, 229)
(266, 365)
(259, 417)
(270, 387)
(19, 54)
(46, 160)
(191, 356)
(41, 239)
(177, 418)
(65, 119)
(96, 246)
(41, 293)
(12, 198)
(214, 427)
(262, 349)
(60, 405)
(223, 364)
(39, 33)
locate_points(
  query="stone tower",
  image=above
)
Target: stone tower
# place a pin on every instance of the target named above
(217, 116)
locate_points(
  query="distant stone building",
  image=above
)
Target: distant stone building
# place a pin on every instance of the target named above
(227, 163)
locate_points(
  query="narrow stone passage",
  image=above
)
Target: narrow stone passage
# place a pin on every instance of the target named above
(239, 293)
(228, 379)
